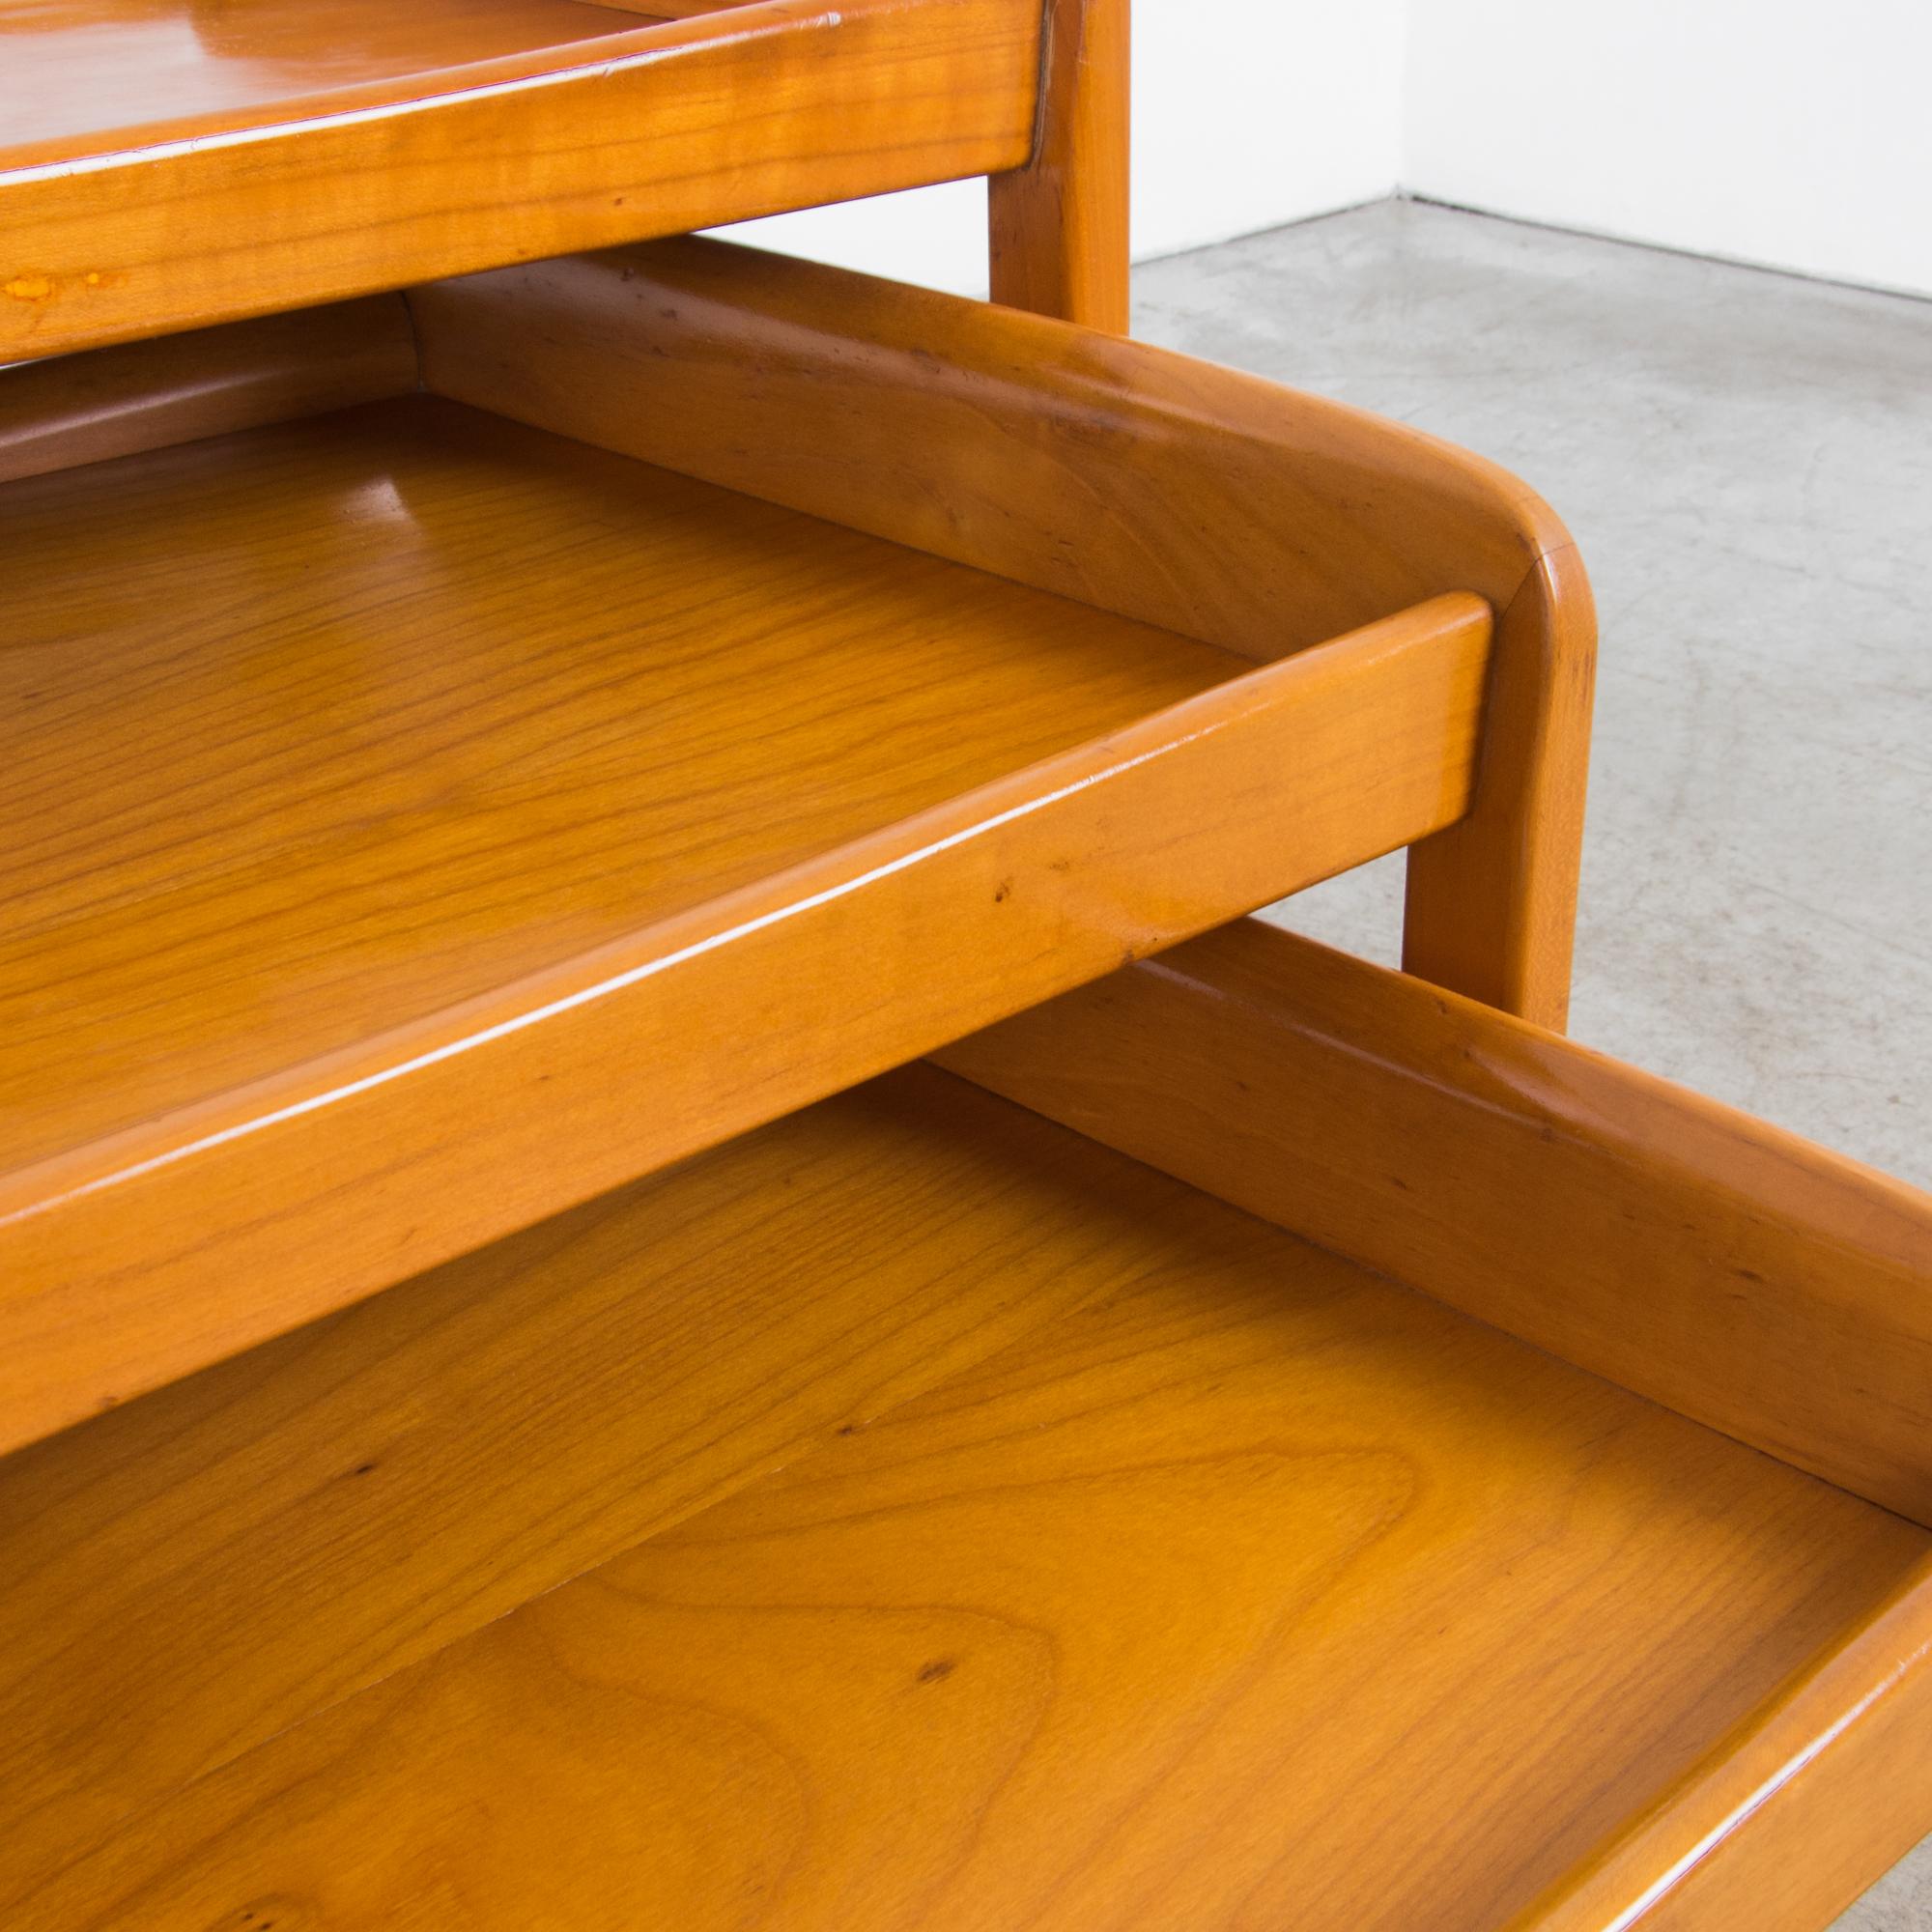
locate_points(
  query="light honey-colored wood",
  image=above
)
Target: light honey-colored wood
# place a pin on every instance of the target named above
(383, 781)
(1683, 1249)
(672, 9)
(1793, 1815)
(1058, 227)
(1108, 471)
(186, 1576)
(1491, 905)
(365, 800)
(71, 409)
(1252, 1590)
(1118, 474)
(79, 77)
(435, 149)
(911, 1516)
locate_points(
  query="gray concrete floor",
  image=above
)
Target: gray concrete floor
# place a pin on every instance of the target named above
(1746, 460)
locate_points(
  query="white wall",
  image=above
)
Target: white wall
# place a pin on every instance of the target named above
(1792, 132)
(1247, 114)
(1797, 133)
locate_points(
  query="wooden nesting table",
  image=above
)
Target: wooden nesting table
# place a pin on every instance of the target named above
(169, 163)
(667, 1256)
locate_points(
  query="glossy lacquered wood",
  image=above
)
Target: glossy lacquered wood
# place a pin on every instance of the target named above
(1105, 471)
(75, 409)
(1685, 1250)
(431, 151)
(1795, 1814)
(81, 76)
(381, 781)
(1242, 1588)
(189, 1575)
(1058, 227)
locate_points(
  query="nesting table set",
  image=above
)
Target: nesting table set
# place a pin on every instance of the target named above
(668, 1256)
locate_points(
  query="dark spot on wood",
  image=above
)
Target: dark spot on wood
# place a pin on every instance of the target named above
(1001, 891)
(939, 1668)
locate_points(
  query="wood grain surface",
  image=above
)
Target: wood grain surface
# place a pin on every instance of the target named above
(72, 410)
(365, 800)
(1717, 1263)
(1491, 905)
(191, 1573)
(1793, 1813)
(1224, 507)
(1058, 227)
(471, 795)
(289, 197)
(85, 75)
(1254, 1590)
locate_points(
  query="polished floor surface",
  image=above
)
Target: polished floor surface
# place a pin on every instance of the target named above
(1746, 458)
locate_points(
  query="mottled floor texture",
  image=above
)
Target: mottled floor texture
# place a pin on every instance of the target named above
(1746, 460)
